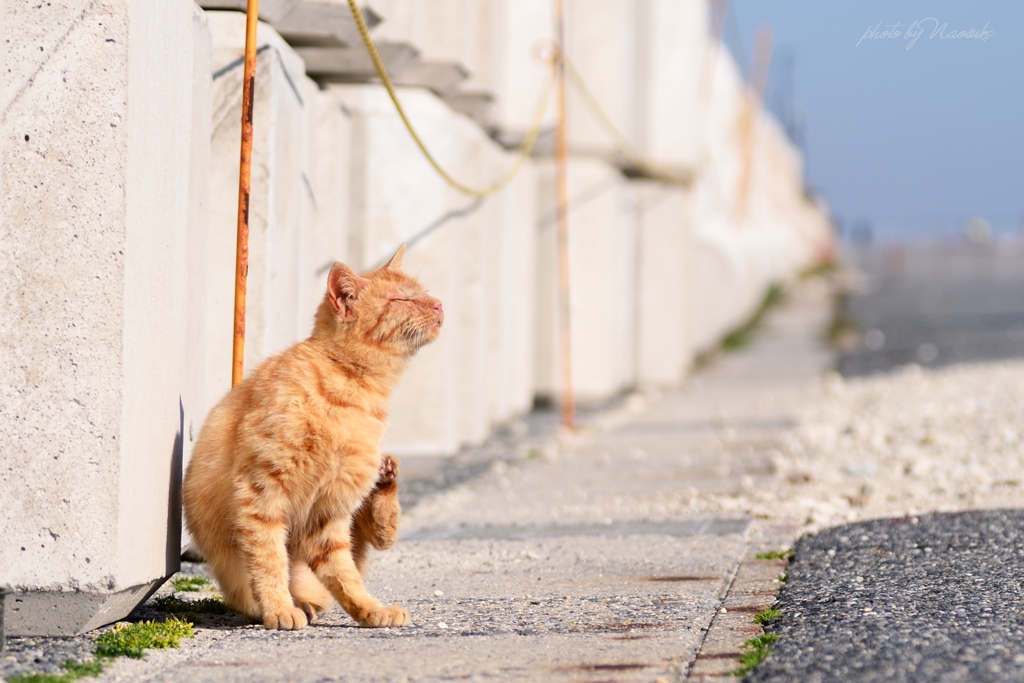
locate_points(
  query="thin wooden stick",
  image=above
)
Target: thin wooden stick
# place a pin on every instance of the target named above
(244, 187)
(562, 188)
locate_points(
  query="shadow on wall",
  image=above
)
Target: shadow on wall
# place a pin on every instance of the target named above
(173, 551)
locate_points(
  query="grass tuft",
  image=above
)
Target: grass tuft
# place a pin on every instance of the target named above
(131, 640)
(776, 555)
(191, 584)
(769, 614)
(72, 672)
(757, 649)
(175, 605)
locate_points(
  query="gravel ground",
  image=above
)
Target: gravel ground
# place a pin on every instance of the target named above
(44, 655)
(934, 598)
(904, 443)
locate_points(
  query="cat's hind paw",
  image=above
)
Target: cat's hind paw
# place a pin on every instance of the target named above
(288, 619)
(309, 610)
(392, 615)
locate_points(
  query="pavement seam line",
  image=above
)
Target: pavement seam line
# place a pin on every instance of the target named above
(753, 581)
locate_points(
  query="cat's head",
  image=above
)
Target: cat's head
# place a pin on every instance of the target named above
(385, 308)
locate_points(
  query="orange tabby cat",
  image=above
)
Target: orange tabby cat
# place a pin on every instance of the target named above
(287, 484)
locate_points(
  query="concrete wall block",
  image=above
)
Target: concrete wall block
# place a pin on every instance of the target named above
(601, 38)
(325, 235)
(663, 351)
(602, 253)
(443, 30)
(720, 282)
(61, 363)
(92, 331)
(496, 41)
(396, 196)
(195, 398)
(671, 43)
(522, 28)
(518, 283)
(279, 198)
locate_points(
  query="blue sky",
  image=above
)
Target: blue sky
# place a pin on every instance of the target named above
(917, 139)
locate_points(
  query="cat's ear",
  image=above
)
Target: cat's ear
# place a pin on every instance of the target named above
(396, 261)
(343, 287)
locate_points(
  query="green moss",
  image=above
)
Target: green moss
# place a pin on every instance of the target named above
(757, 649)
(769, 614)
(175, 605)
(742, 335)
(819, 270)
(191, 584)
(776, 555)
(124, 640)
(131, 640)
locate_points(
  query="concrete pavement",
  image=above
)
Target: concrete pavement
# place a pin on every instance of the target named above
(570, 558)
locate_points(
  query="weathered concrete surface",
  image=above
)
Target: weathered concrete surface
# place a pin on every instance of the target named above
(602, 44)
(325, 233)
(92, 327)
(663, 278)
(471, 254)
(196, 400)
(602, 263)
(514, 576)
(672, 42)
(279, 199)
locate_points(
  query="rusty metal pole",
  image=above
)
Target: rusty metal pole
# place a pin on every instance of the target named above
(562, 189)
(244, 187)
(707, 78)
(752, 113)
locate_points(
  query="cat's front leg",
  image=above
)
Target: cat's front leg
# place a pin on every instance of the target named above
(376, 521)
(261, 535)
(329, 554)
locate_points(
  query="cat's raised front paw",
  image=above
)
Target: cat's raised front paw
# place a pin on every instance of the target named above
(392, 615)
(287, 619)
(388, 471)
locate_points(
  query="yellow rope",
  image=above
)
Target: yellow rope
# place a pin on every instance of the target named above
(524, 148)
(626, 149)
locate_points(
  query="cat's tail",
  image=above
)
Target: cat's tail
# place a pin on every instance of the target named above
(308, 593)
